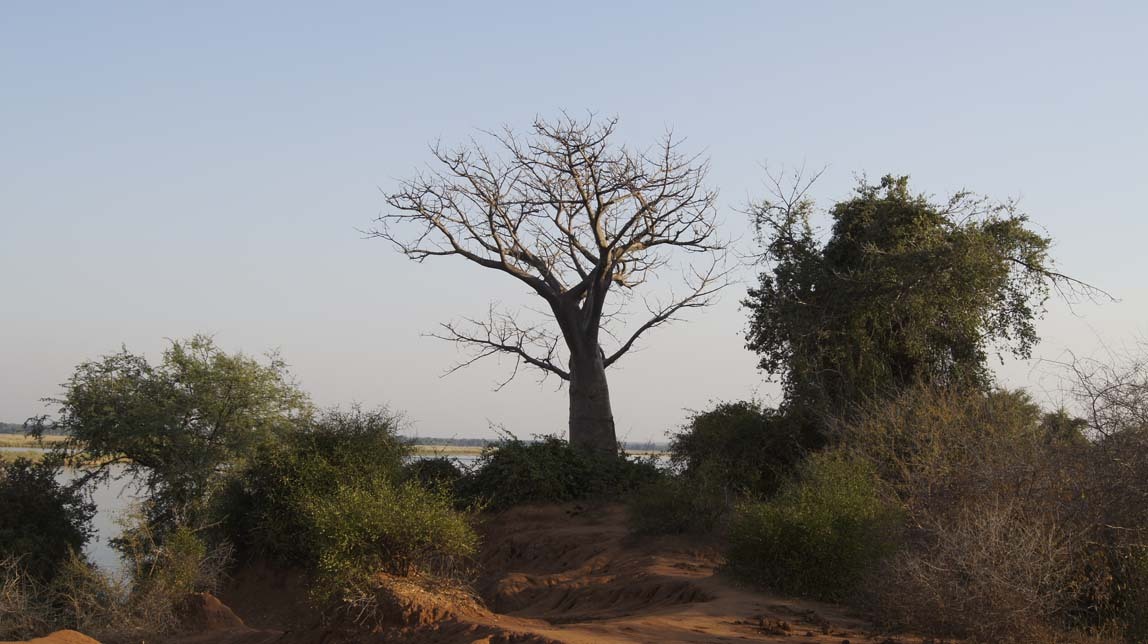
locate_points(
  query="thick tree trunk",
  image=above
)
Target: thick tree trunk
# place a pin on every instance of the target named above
(591, 419)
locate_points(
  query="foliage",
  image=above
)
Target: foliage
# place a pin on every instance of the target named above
(903, 291)
(78, 597)
(263, 509)
(373, 526)
(115, 609)
(988, 572)
(743, 446)
(678, 504)
(1061, 427)
(941, 445)
(332, 500)
(1015, 529)
(182, 562)
(41, 520)
(820, 535)
(550, 470)
(440, 471)
(177, 426)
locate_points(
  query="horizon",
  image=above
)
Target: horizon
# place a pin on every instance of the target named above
(159, 188)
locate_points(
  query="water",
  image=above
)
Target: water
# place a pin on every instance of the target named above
(112, 498)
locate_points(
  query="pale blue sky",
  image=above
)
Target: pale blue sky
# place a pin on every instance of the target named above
(204, 167)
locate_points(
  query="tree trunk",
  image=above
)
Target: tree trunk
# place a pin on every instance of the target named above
(591, 419)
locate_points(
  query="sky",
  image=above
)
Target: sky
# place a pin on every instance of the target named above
(168, 169)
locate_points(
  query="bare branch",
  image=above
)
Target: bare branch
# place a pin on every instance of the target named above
(502, 333)
(706, 286)
(570, 214)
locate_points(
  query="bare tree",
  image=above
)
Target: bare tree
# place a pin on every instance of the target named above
(572, 215)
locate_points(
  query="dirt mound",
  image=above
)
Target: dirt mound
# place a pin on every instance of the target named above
(566, 567)
(204, 612)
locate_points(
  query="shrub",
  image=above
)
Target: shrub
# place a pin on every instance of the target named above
(938, 446)
(676, 505)
(820, 534)
(550, 470)
(1018, 528)
(41, 521)
(180, 563)
(991, 573)
(332, 501)
(440, 471)
(263, 509)
(374, 526)
(130, 608)
(750, 448)
(21, 615)
(79, 597)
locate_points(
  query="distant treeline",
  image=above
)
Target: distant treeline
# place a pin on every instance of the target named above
(11, 428)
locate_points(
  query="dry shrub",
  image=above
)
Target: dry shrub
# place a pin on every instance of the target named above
(140, 603)
(1013, 533)
(21, 614)
(987, 574)
(79, 597)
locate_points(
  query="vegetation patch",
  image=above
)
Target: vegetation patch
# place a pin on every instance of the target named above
(550, 470)
(820, 534)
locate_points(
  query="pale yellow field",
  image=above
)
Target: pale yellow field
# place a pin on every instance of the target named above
(19, 440)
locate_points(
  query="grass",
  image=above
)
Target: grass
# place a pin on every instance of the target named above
(446, 450)
(19, 440)
(14, 446)
(7, 456)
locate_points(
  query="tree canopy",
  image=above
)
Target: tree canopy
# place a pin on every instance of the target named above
(175, 425)
(903, 290)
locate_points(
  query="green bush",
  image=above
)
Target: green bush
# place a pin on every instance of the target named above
(374, 526)
(333, 502)
(676, 505)
(550, 470)
(262, 510)
(750, 448)
(440, 471)
(41, 521)
(820, 534)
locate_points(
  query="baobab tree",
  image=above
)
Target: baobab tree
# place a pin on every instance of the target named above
(583, 222)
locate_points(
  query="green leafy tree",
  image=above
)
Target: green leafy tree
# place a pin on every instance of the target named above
(904, 290)
(41, 519)
(176, 426)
